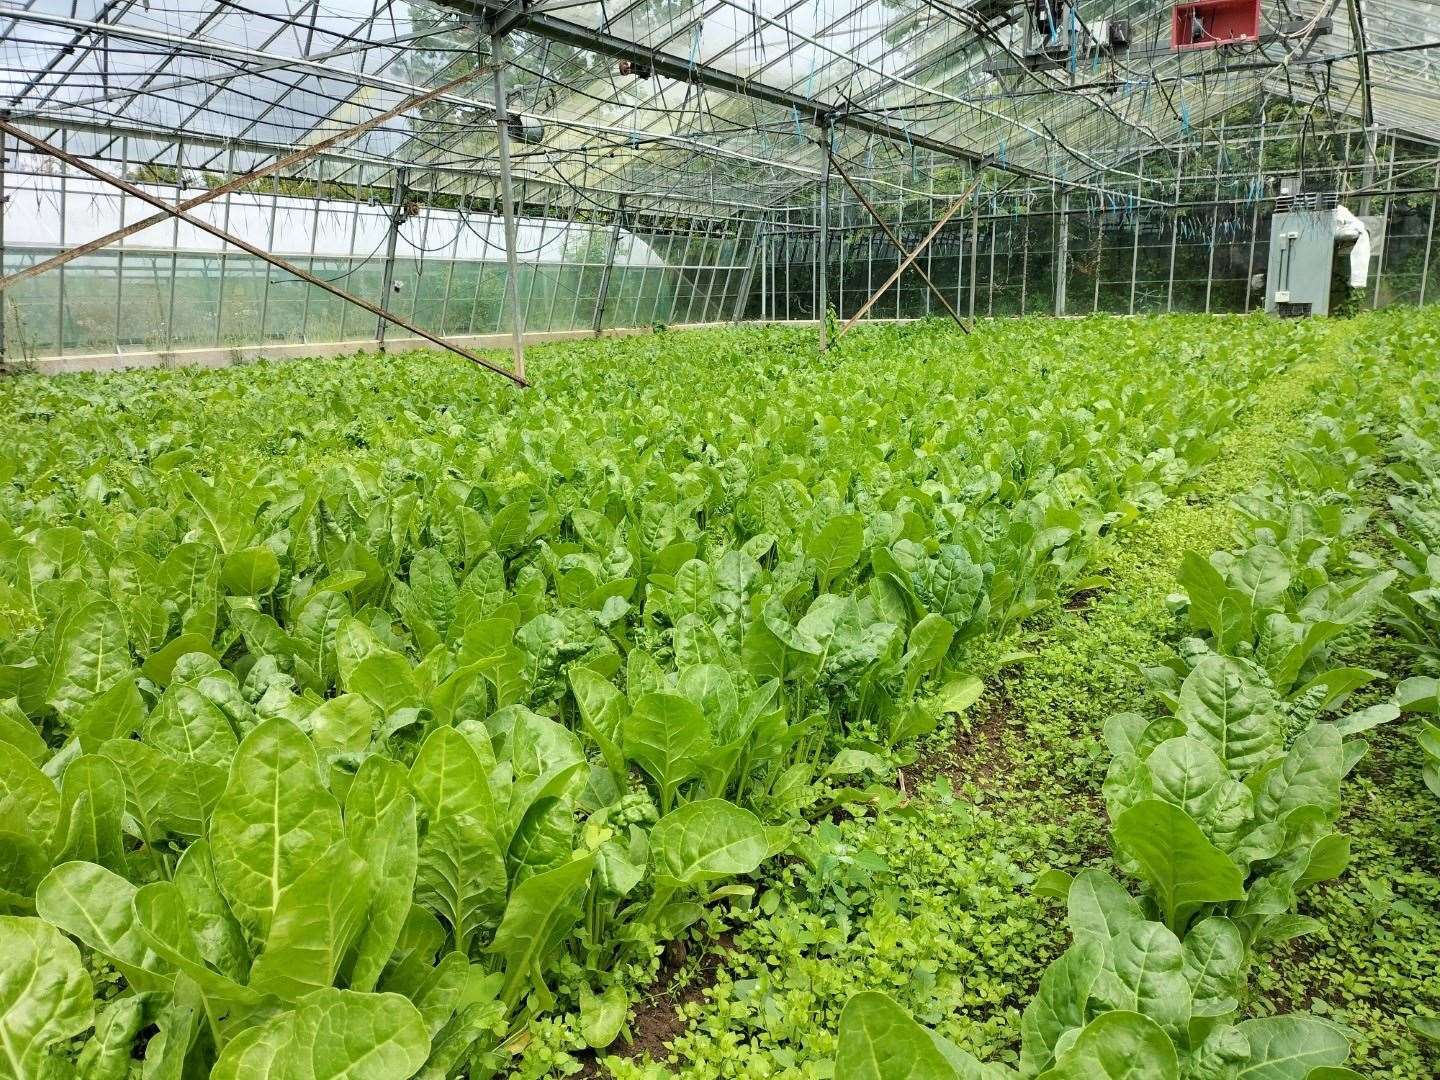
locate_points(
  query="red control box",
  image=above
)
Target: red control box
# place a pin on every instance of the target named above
(1204, 24)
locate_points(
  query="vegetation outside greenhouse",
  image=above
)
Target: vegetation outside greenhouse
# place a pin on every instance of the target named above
(718, 708)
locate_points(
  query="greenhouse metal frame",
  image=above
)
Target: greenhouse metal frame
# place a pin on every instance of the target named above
(475, 173)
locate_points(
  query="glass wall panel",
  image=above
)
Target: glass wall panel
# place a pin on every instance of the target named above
(91, 288)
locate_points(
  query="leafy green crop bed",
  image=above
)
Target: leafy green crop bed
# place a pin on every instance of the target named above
(369, 713)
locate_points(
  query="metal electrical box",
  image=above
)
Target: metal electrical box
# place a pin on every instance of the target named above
(1302, 253)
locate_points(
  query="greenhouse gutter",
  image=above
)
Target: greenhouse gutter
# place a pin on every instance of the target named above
(505, 17)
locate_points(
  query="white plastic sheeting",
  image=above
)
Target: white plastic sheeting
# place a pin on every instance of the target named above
(1349, 227)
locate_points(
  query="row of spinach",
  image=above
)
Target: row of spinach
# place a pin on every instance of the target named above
(1412, 600)
(355, 713)
(1224, 800)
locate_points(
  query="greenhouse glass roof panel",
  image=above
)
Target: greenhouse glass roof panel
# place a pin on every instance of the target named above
(935, 82)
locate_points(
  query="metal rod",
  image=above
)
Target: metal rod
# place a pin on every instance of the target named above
(742, 292)
(765, 278)
(4, 198)
(60, 287)
(1062, 253)
(1175, 231)
(392, 239)
(960, 281)
(822, 269)
(974, 249)
(611, 250)
(1214, 225)
(1385, 233)
(1362, 54)
(910, 258)
(250, 249)
(930, 253)
(120, 259)
(220, 285)
(237, 183)
(174, 255)
(1255, 220)
(990, 275)
(1099, 266)
(896, 241)
(507, 198)
(1429, 237)
(269, 243)
(1135, 245)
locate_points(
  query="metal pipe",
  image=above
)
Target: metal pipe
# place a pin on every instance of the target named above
(120, 257)
(822, 307)
(1429, 237)
(1175, 230)
(1255, 218)
(1214, 226)
(742, 293)
(974, 248)
(174, 255)
(60, 289)
(507, 197)
(1062, 254)
(1385, 236)
(611, 250)
(392, 239)
(1135, 247)
(4, 198)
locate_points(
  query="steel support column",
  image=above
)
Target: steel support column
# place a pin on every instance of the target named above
(507, 198)
(1062, 254)
(1255, 220)
(975, 248)
(1429, 236)
(1175, 226)
(1214, 222)
(822, 270)
(611, 250)
(1367, 106)
(4, 199)
(1135, 242)
(392, 238)
(743, 293)
(1385, 217)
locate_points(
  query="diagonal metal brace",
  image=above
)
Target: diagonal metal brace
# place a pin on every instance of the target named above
(959, 202)
(174, 210)
(896, 241)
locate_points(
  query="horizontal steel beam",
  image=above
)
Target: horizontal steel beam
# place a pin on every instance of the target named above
(811, 110)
